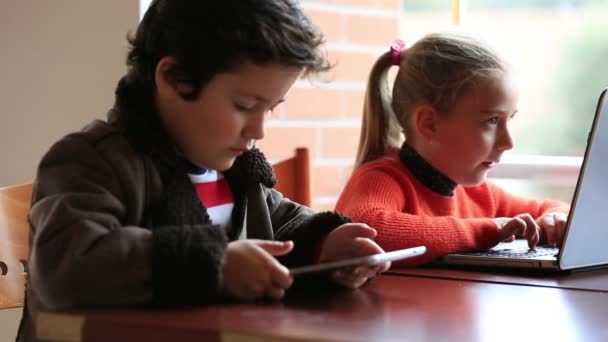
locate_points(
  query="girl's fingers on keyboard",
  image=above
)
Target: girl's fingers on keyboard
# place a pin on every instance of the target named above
(532, 233)
(510, 226)
(560, 227)
(553, 226)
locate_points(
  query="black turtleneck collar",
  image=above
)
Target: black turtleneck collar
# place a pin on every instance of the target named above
(425, 173)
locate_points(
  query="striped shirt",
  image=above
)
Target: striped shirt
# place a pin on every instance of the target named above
(215, 194)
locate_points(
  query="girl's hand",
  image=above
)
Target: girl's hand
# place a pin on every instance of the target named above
(348, 241)
(553, 226)
(250, 271)
(522, 225)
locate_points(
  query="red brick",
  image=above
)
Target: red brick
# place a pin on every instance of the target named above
(354, 99)
(339, 142)
(279, 111)
(327, 180)
(325, 206)
(372, 29)
(330, 23)
(353, 103)
(346, 171)
(281, 142)
(314, 103)
(351, 66)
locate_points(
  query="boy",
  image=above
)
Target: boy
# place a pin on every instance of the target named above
(168, 202)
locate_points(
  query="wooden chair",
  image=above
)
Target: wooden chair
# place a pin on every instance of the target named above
(14, 247)
(293, 177)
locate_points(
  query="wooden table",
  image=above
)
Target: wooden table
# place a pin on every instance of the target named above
(390, 308)
(589, 280)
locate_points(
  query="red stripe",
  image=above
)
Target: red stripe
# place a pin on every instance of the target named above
(214, 193)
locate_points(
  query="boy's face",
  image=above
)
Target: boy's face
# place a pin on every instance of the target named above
(228, 116)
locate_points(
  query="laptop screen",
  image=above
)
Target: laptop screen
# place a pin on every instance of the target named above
(586, 238)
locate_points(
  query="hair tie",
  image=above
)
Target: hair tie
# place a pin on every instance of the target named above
(396, 48)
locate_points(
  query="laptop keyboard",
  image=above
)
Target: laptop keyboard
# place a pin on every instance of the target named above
(524, 253)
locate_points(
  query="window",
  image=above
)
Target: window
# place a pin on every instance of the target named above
(143, 6)
(556, 48)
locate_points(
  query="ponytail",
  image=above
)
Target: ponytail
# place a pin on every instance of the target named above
(436, 70)
(380, 129)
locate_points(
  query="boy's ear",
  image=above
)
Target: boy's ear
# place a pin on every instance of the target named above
(426, 121)
(166, 86)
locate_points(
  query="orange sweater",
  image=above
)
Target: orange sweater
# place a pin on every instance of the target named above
(388, 197)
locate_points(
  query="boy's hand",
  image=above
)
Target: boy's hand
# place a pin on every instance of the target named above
(553, 226)
(348, 241)
(251, 272)
(522, 225)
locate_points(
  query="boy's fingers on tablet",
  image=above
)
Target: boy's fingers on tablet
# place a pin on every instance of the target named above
(363, 271)
(280, 278)
(275, 293)
(367, 246)
(353, 230)
(355, 277)
(359, 282)
(249, 293)
(279, 275)
(274, 271)
(276, 248)
(347, 279)
(383, 268)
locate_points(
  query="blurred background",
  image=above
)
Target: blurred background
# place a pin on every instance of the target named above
(555, 46)
(61, 61)
(558, 49)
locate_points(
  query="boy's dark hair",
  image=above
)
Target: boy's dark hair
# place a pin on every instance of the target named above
(209, 37)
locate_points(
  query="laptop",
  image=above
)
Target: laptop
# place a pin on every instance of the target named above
(585, 242)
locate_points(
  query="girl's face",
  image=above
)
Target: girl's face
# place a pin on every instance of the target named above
(471, 138)
(228, 116)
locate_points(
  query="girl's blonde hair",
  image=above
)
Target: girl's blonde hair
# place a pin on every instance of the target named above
(436, 70)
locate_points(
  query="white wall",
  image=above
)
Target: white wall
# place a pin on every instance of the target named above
(59, 63)
(9, 322)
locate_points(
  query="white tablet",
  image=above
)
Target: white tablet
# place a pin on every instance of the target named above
(370, 260)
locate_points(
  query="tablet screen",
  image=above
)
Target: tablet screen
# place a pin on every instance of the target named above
(370, 260)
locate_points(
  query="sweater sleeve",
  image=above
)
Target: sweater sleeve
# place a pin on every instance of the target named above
(509, 205)
(293, 221)
(380, 198)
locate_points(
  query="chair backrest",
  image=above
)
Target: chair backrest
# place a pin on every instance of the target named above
(293, 177)
(14, 247)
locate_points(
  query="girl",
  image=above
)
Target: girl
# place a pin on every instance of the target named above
(168, 202)
(453, 100)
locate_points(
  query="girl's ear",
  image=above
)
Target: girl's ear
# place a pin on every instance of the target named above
(166, 86)
(425, 122)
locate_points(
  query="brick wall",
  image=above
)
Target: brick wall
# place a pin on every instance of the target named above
(326, 116)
